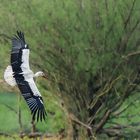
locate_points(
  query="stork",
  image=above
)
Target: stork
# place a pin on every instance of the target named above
(20, 74)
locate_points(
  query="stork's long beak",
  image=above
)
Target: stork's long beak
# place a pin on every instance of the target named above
(45, 76)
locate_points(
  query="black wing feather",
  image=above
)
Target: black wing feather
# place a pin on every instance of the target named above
(18, 42)
(35, 103)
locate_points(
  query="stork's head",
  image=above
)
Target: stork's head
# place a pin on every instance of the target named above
(40, 73)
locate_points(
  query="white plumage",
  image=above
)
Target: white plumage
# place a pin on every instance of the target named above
(8, 76)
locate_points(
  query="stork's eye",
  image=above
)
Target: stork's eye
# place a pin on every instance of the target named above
(42, 74)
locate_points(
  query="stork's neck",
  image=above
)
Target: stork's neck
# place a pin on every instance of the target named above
(37, 74)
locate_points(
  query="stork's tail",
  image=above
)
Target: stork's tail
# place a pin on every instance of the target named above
(8, 76)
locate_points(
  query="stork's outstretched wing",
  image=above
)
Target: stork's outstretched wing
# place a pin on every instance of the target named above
(24, 76)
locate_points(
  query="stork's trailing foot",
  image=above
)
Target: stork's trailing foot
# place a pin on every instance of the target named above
(33, 126)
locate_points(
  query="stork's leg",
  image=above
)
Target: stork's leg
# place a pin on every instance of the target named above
(33, 126)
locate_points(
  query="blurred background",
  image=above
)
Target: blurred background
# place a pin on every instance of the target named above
(91, 52)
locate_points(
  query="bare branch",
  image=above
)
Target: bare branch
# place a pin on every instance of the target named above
(131, 54)
(103, 121)
(76, 120)
(130, 14)
(7, 135)
(106, 89)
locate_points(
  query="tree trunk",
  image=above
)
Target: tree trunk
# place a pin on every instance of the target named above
(77, 130)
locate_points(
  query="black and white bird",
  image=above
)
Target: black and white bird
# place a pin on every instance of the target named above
(20, 74)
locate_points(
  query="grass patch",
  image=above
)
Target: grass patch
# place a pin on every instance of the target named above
(9, 117)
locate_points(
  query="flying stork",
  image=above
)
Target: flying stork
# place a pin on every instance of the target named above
(20, 74)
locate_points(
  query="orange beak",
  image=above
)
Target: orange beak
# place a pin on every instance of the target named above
(45, 76)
